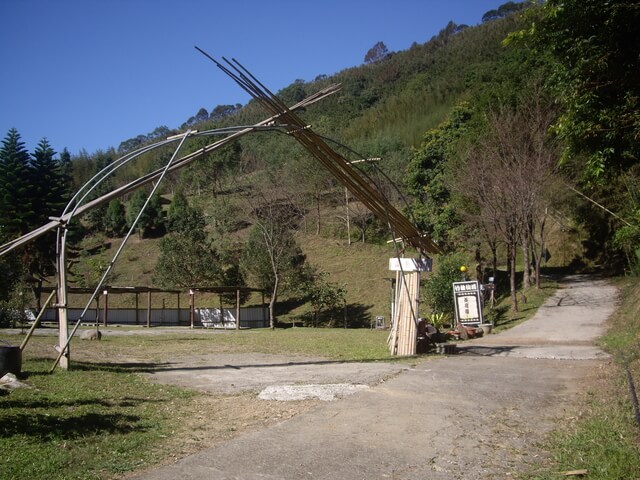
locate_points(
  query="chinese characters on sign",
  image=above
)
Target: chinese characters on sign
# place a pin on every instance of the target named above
(466, 296)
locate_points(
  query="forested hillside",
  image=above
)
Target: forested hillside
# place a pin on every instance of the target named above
(513, 144)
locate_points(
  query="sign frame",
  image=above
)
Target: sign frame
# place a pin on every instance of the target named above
(467, 298)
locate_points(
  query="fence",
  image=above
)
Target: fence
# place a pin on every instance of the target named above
(250, 317)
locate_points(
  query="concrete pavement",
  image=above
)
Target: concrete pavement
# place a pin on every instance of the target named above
(477, 415)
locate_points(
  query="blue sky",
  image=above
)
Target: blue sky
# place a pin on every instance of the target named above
(88, 74)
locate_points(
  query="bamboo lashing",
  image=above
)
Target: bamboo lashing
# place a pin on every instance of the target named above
(335, 163)
(403, 336)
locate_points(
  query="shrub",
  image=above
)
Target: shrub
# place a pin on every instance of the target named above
(437, 292)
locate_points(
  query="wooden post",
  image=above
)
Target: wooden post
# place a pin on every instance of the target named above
(403, 337)
(238, 309)
(106, 308)
(39, 298)
(221, 312)
(346, 198)
(63, 329)
(37, 321)
(149, 309)
(137, 308)
(192, 309)
(178, 308)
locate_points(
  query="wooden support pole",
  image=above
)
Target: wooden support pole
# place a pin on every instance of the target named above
(63, 325)
(221, 312)
(149, 309)
(137, 308)
(37, 321)
(178, 308)
(238, 309)
(192, 308)
(105, 319)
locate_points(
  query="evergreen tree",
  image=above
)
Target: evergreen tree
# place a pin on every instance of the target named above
(66, 171)
(151, 218)
(376, 53)
(183, 218)
(49, 188)
(16, 190)
(116, 220)
(49, 183)
(434, 209)
(16, 210)
(96, 216)
(187, 259)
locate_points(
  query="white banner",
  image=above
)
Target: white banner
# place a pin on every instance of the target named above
(410, 264)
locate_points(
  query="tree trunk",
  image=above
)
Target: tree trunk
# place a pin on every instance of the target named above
(346, 198)
(513, 248)
(526, 274)
(494, 260)
(541, 254)
(272, 303)
(318, 214)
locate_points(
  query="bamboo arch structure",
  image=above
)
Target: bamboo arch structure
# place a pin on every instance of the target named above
(281, 118)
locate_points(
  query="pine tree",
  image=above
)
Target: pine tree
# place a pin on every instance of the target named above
(16, 210)
(152, 217)
(183, 218)
(115, 221)
(16, 191)
(50, 191)
(97, 215)
(66, 171)
(48, 183)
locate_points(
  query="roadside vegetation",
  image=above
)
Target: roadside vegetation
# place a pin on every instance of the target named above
(603, 438)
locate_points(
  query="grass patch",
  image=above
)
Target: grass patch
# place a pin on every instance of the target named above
(605, 439)
(335, 344)
(101, 419)
(84, 424)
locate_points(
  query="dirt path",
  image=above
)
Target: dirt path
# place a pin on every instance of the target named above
(476, 415)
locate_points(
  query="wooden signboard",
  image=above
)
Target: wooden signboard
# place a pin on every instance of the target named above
(468, 303)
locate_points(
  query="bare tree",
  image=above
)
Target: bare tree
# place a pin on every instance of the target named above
(310, 184)
(271, 250)
(507, 177)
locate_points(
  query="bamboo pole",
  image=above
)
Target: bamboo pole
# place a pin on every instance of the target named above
(403, 341)
(149, 309)
(105, 320)
(150, 177)
(37, 320)
(238, 309)
(337, 165)
(192, 308)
